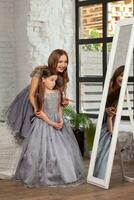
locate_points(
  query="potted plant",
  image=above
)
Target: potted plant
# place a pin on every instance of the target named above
(89, 134)
(79, 122)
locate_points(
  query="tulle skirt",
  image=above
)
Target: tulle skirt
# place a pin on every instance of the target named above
(50, 156)
(19, 114)
(102, 153)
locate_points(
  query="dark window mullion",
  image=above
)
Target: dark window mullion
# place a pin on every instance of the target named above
(91, 79)
(95, 40)
(91, 2)
(77, 53)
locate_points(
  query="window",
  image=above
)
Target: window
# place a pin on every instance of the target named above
(95, 24)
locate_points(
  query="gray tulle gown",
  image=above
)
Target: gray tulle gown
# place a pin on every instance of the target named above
(102, 152)
(50, 156)
(19, 114)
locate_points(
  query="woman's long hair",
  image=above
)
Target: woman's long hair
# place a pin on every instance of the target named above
(113, 94)
(53, 62)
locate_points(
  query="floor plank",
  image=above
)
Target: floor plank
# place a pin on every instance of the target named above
(119, 190)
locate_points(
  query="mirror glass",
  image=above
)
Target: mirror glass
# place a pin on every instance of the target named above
(109, 115)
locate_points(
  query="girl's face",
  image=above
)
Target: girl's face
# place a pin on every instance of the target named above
(62, 64)
(50, 81)
(119, 80)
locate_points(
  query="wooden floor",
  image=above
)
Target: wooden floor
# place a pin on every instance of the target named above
(119, 190)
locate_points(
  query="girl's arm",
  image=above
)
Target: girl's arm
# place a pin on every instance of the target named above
(32, 91)
(46, 119)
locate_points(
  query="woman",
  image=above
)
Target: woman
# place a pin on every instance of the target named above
(22, 110)
(24, 107)
(108, 122)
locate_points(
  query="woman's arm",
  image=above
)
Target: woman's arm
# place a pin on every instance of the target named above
(61, 113)
(109, 124)
(32, 91)
(111, 112)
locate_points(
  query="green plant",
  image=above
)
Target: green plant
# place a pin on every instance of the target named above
(90, 133)
(82, 126)
(77, 120)
(92, 33)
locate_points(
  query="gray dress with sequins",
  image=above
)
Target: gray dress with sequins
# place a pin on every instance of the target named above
(50, 156)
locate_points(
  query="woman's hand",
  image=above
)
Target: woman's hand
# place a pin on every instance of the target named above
(111, 111)
(35, 110)
(40, 114)
(65, 101)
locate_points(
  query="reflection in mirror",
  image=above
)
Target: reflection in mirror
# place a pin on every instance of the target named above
(108, 122)
(111, 104)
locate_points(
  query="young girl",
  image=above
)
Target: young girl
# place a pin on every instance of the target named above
(50, 154)
(108, 122)
(24, 106)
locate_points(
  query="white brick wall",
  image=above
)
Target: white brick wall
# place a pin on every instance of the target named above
(22, 51)
(29, 31)
(7, 47)
(51, 26)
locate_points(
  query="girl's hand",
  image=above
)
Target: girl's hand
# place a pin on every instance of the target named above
(56, 125)
(61, 123)
(40, 114)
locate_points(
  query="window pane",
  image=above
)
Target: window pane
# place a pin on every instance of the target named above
(118, 10)
(90, 21)
(90, 97)
(109, 46)
(130, 87)
(90, 60)
(131, 72)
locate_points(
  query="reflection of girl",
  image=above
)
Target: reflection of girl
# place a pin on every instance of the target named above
(108, 121)
(24, 105)
(50, 154)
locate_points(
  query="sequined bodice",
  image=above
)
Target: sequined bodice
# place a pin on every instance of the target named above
(52, 102)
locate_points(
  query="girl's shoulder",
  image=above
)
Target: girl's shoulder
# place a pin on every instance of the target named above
(37, 72)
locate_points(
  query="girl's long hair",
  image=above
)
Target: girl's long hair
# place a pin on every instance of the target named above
(113, 94)
(46, 72)
(53, 62)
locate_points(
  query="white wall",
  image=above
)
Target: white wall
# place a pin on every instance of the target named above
(29, 31)
(7, 54)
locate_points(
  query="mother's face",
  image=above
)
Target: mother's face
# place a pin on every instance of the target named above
(119, 80)
(62, 64)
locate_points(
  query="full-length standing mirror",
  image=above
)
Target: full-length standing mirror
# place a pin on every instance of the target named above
(111, 104)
